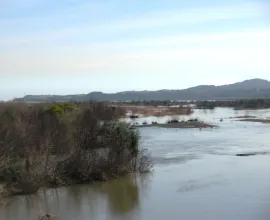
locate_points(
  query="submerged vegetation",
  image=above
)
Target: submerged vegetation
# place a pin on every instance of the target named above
(58, 144)
(175, 123)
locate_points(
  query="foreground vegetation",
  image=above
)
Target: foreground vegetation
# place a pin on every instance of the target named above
(45, 145)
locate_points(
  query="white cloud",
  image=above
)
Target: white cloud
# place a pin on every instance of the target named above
(139, 22)
(187, 16)
(249, 51)
(244, 37)
(200, 57)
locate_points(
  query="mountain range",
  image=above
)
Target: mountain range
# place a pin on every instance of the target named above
(253, 88)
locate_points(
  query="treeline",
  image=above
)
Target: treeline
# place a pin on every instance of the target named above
(58, 144)
(155, 103)
(236, 104)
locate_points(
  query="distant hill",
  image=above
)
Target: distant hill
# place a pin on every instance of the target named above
(253, 88)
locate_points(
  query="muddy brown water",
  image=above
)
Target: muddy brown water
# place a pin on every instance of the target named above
(197, 175)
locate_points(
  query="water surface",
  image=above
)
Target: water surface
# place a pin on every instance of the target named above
(196, 176)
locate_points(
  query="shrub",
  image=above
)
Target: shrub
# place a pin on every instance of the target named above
(59, 109)
(172, 121)
(19, 180)
(58, 144)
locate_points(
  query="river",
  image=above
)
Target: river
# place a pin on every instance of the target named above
(196, 175)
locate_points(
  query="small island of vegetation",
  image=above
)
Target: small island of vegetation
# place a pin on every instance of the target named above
(174, 123)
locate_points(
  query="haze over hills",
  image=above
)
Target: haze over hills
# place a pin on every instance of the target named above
(253, 88)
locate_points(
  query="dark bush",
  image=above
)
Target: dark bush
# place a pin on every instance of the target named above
(58, 144)
(173, 121)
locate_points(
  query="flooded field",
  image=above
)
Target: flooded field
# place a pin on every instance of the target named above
(197, 175)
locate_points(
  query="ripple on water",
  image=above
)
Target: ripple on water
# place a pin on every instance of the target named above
(193, 185)
(177, 159)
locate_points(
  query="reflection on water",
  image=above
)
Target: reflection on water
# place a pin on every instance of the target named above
(116, 199)
(196, 176)
(123, 196)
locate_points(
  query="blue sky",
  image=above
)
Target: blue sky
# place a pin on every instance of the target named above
(79, 46)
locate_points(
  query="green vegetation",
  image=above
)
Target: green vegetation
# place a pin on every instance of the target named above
(65, 143)
(60, 109)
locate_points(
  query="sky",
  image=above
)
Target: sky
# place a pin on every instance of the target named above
(79, 46)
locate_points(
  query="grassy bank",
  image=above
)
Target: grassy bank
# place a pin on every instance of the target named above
(58, 144)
